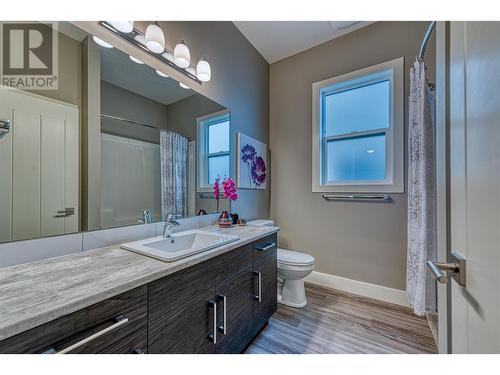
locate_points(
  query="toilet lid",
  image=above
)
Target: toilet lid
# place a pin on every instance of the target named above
(294, 258)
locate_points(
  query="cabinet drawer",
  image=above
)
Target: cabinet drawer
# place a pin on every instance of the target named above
(234, 261)
(169, 292)
(95, 329)
(265, 246)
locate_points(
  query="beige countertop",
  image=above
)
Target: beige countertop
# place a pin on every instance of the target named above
(36, 293)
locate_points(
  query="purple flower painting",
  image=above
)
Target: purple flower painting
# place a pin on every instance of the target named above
(251, 163)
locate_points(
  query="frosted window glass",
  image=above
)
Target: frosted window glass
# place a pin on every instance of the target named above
(218, 165)
(360, 158)
(218, 137)
(360, 109)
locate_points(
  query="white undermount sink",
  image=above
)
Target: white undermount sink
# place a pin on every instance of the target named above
(182, 244)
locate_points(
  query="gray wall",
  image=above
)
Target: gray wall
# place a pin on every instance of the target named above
(357, 240)
(70, 72)
(116, 101)
(182, 114)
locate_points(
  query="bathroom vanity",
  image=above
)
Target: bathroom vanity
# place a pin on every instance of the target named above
(116, 301)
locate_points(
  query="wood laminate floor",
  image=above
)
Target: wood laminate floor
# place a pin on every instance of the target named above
(339, 322)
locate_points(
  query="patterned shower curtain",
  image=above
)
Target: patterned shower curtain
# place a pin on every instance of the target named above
(420, 285)
(174, 159)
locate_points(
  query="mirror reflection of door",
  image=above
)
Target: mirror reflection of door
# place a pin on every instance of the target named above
(39, 166)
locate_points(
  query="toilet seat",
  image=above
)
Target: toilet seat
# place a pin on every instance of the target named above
(294, 258)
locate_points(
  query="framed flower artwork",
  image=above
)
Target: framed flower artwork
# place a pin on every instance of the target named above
(252, 170)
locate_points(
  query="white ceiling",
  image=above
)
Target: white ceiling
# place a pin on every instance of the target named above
(276, 40)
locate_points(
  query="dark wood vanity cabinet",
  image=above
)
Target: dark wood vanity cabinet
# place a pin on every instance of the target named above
(116, 325)
(216, 306)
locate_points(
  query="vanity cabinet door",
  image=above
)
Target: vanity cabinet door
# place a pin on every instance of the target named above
(187, 329)
(235, 312)
(265, 272)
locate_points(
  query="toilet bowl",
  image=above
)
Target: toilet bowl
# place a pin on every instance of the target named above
(293, 267)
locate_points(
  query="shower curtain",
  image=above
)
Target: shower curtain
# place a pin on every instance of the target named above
(174, 159)
(420, 285)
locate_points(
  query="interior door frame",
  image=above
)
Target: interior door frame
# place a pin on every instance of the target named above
(442, 181)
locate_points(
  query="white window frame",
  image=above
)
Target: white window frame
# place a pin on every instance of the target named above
(203, 124)
(394, 175)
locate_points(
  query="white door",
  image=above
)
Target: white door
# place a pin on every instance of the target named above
(39, 166)
(474, 117)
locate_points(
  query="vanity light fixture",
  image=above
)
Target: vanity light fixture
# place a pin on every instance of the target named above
(152, 42)
(182, 57)
(123, 26)
(135, 60)
(169, 56)
(140, 38)
(203, 70)
(161, 74)
(101, 42)
(184, 86)
(155, 39)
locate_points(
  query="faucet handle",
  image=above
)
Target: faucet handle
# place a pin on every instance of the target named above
(172, 216)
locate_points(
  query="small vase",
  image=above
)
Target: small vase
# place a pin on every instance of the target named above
(224, 220)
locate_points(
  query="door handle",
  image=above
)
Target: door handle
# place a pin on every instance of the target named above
(4, 127)
(258, 297)
(456, 268)
(223, 327)
(213, 335)
(68, 211)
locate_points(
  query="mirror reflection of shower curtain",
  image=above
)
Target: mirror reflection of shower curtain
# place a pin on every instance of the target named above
(173, 161)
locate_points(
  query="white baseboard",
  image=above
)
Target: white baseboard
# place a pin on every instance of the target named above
(361, 288)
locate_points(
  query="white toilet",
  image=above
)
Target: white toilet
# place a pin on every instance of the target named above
(293, 267)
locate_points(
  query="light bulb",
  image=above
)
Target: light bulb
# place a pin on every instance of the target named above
(136, 60)
(161, 74)
(203, 71)
(102, 43)
(123, 26)
(155, 40)
(182, 56)
(184, 86)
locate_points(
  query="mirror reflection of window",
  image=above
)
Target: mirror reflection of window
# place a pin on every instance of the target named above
(218, 149)
(213, 133)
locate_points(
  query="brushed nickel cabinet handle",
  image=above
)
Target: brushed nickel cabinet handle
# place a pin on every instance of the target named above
(213, 335)
(138, 351)
(266, 246)
(119, 321)
(223, 327)
(258, 297)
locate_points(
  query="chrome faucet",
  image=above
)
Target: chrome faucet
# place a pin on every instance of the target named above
(170, 223)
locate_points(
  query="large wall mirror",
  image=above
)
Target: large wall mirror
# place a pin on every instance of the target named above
(157, 147)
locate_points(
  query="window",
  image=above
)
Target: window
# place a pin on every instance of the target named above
(358, 131)
(213, 149)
